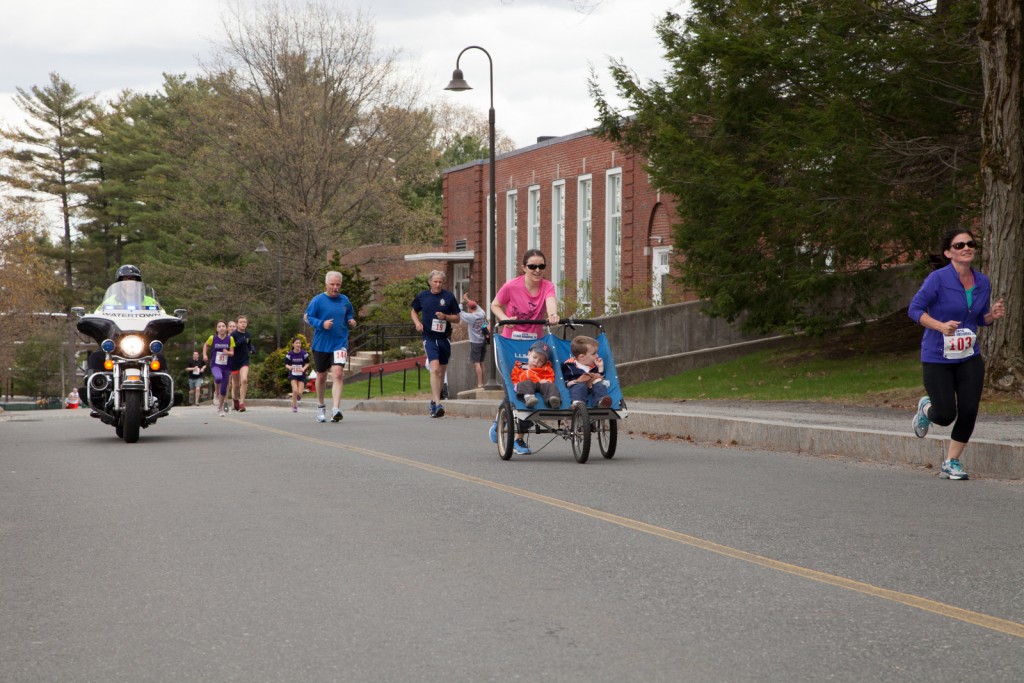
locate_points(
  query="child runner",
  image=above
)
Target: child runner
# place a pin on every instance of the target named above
(297, 361)
(223, 348)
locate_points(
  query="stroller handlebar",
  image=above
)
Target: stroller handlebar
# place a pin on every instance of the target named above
(568, 322)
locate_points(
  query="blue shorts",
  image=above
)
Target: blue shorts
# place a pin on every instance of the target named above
(438, 349)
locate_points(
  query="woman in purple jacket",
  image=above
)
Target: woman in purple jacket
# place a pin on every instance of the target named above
(951, 305)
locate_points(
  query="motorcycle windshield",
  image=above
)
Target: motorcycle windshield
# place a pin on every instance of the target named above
(129, 295)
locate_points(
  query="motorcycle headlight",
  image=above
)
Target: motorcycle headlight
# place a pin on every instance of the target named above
(132, 346)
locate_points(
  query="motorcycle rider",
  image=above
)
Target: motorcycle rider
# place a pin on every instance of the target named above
(131, 273)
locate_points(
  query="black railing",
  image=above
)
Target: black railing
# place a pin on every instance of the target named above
(383, 337)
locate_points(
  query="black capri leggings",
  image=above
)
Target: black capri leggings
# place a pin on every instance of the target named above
(955, 393)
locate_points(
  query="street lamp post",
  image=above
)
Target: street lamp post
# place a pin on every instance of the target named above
(458, 84)
(261, 248)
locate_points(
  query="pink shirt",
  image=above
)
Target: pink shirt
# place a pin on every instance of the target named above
(518, 304)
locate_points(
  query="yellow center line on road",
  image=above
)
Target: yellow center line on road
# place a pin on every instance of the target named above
(1005, 626)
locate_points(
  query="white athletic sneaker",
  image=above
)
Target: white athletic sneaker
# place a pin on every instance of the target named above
(321, 413)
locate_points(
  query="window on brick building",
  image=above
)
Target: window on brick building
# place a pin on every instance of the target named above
(460, 280)
(533, 217)
(584, 223)
(612, 235)
(511, 235)
(660, 268)
(557, 255)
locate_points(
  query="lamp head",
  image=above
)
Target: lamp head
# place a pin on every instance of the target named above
(261, 248)
(458, 83)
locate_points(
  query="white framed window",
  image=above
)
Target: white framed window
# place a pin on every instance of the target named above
(533, 217)
(490, 242)
(584, 225)
(511, 233)
(660, 267)
(460, 280)
(557, 259)
(612, 233)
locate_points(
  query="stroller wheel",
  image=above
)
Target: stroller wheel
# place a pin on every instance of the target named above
(579, 432)
(506, 430)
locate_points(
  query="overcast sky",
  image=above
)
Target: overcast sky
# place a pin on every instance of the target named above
(542, 49)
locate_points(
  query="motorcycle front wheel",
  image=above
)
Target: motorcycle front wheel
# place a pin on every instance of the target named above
(132, 419)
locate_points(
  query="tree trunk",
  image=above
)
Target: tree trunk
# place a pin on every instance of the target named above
(1001, 41)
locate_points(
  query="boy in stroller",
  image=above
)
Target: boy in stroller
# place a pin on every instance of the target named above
(584, 373)
(536, 377)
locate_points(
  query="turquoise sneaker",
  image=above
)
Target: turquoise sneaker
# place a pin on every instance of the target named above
(493, 433)
(952, 469)
(921, 421)
(521, 448)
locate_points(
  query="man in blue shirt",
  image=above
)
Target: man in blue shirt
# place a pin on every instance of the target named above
(433, 312)
(331, 316)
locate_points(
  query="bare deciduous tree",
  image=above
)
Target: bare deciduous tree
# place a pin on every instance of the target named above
(314, 125)
(28, 288)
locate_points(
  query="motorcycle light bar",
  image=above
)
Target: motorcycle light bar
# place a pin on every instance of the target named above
(132, 346)
(107, 345)
(156, 346)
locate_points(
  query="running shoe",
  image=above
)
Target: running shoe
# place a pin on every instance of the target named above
(530, 400)
(493, 433)
(952, 469)
(235, 402)
(521, 448)
(439, 411)
(295, 409)
(241, 407)
(321, 413)
(222, 413)
(337, 416)
(921, 421)
(433, 408)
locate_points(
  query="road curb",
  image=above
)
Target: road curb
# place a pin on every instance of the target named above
(998, 459)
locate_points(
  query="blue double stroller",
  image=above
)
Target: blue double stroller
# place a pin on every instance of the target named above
(579, 423)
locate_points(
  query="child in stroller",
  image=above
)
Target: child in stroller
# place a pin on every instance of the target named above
(537, 376)
(584, 373)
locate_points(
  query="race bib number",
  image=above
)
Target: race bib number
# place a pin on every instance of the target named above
(437, 325)
(341, 356)
(959, 345)
(221, 358)
(524, 335)
(296, 369)
(195, 371)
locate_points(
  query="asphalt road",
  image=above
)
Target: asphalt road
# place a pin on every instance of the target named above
(267, 547)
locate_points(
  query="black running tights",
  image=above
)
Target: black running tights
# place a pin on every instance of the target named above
(955, 393)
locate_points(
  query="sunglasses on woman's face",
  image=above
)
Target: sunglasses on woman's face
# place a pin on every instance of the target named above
(957, 246)
(536, 266)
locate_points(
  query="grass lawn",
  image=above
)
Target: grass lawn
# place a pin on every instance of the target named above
(393, 385)
(877, 365)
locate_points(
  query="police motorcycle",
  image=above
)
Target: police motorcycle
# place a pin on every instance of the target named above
(127, 385)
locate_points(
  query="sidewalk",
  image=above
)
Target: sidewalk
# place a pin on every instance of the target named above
(869, 434)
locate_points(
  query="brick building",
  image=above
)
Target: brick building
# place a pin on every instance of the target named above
(588, 205)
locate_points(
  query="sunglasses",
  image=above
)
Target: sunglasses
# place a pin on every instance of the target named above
(536, 266)
(957, 246)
